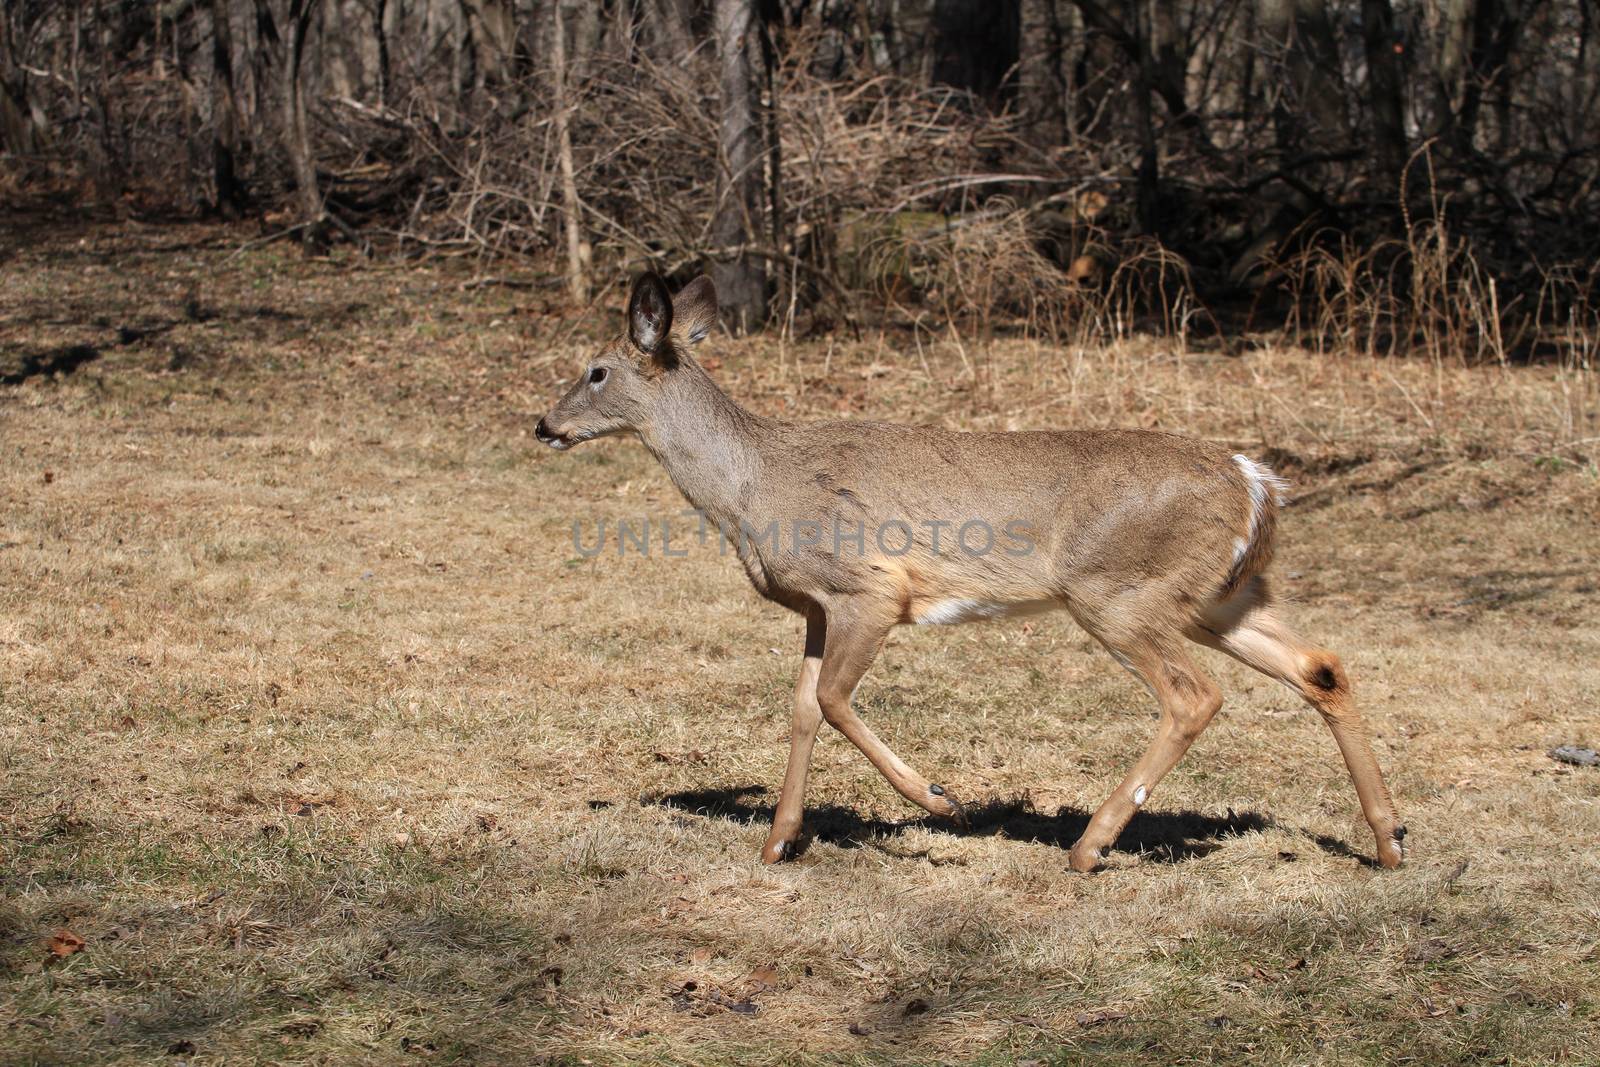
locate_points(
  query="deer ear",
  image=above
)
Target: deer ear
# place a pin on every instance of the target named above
(694, 310)
(650, 315)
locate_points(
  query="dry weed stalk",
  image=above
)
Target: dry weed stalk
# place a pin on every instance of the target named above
(1429, 293)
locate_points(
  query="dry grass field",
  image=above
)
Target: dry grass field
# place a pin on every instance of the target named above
(321, 743)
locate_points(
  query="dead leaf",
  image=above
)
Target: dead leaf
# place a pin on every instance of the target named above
(859, 1030)
(1100, 1017)
(304, 805)
(701, 956)
(763, 978)
(64, 943)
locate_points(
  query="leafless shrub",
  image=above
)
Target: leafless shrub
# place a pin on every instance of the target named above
(857, 157)
(438, 128)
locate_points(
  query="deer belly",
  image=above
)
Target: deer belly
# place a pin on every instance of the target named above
(960, 609)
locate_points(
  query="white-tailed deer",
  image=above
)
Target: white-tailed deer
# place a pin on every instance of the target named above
(1149, 540)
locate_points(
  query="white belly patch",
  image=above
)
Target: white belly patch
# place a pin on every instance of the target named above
(956, 610)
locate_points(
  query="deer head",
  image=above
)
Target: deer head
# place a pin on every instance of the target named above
(623, 385)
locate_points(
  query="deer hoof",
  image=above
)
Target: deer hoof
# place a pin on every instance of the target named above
(1084, 860)
(776, 850)
(958, 815)
(951, 807)
(1391, 851)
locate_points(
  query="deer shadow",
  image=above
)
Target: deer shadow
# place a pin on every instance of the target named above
(1160, 836)
(63, 361)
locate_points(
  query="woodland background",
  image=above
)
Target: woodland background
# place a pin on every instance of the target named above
(1372, 175)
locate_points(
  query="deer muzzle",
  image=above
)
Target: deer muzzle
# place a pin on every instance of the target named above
(557, 441)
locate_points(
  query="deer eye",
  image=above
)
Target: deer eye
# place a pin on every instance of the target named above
(597, 375)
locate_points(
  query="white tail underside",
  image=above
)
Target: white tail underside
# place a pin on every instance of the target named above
(1263, 485)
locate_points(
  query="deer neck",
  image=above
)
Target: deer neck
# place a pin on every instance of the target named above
(707, 443)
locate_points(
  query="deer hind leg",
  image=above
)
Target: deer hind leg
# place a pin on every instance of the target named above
(855, 633)
(1247, 628)
(802, 738)
(1189, 700)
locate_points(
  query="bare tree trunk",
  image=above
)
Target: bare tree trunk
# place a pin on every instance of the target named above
(186, 40)
(1479, 37)
(1041, 91)
(1495, 31)
(1095, 73)
(1148, 177)
(585, 39)
(1168, 78)
(224, 115)
(467, 79)
(1168, 49)
(296, 133)
(380, 34)
(494, 34)
(1310, 111)
(158, 65)
(267, 47)
(740, 277)
(108, 174)
(1451, 64)
(1385, 91)
(331, 61)
(625, 24)
(16, 120)
(571, 206)
(975, 45)
(670, 30)
(774, 142)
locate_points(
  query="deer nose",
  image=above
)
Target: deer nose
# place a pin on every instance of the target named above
(542, 432)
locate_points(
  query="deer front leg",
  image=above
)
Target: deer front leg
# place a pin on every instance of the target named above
(1189, 700)
(855, 633)
(802, 737)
